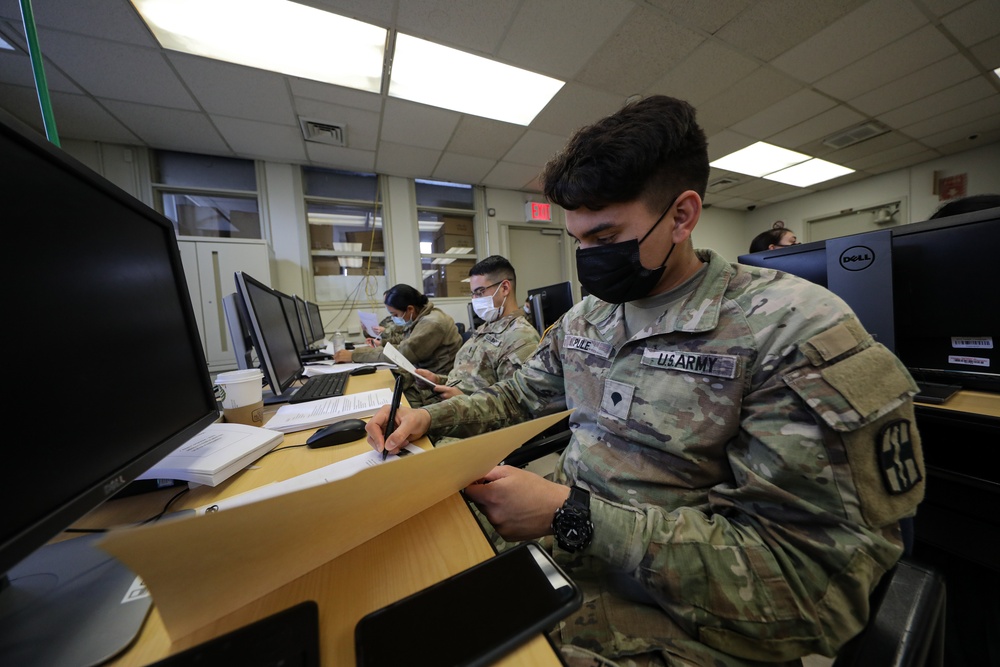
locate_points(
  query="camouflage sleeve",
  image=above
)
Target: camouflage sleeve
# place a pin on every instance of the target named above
(534, 389)
(782, 561)
(517, 352)
(364, 354)
(425, 337)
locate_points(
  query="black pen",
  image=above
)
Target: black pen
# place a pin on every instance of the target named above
(397, 395)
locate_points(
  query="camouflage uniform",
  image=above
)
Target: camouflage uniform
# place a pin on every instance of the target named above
(495, 350)
(748, 456)
(390, 332)
(430, 341)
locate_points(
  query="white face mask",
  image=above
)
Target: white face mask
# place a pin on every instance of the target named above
(485, 309)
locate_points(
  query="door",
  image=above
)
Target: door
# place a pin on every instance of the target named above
(538, 257)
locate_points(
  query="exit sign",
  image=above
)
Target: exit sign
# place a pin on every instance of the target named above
(536, 211)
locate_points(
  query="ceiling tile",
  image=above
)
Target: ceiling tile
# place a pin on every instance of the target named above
(116, 19)
(706, 16)
(767, 29)
(348, 97)
(818, 127)
(583, 26)
(975, 22)
(851, 154)
(965, 143)
(751, 94)
(378, 12)
(339, 157)
(462, 168)
(116, 71)
(905, 149)
(362, 126)
(707, 71)
(472, 25)
(575, 106)
(417, 124)
(909, 54)
(790, 111)
(942, 74)
(646, 46)
(941, 7)
(903, 162)
(408, 161)
(726, 142)
(945, 100)
(482, 137)
(251, 138)
(981, 110)
(510, 176)
(863, 31)
(987, 52)
(81, 117)
(535, 148)
(236, 91)
(174, 129)
(15, 69)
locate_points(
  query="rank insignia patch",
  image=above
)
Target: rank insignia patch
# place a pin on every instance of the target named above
(896, 459)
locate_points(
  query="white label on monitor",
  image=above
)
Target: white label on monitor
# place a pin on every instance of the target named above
(137, 591)
(981, 342)
(969, 361)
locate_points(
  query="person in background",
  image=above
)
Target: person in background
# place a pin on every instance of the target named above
(496, 348)
(966, 205)
(742, 450)
(430, 338)
(773, 238)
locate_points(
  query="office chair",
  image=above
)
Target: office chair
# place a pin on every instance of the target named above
(906, 625)
(552, 440)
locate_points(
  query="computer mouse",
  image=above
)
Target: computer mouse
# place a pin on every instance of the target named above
(363, 370)
(337, 433)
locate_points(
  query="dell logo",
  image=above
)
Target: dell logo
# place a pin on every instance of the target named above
(857, 258)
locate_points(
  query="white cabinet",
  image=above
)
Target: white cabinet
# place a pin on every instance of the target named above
(209, 267)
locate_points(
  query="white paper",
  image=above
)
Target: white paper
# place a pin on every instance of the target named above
(215, 454)
(402, 362)
(313, 414)
(324, 475)
(368, 322)
(326, 367)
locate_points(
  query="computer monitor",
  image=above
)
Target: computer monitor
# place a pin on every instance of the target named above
(292, 317)
(549, 303)
(271, 335)
(96, 264)
(947, 327)
(239, 330)
(305, 329)
(806, 260)
(315, 322)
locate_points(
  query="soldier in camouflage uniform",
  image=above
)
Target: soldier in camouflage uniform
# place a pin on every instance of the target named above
(496, 349)
(430, 337)
(747, 447)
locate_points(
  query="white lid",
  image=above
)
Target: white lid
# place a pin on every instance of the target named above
(239, 376)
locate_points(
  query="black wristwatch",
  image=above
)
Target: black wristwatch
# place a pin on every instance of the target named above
(571, 524)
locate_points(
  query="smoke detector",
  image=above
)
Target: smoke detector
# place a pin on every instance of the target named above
(856, 134)
(323, 132)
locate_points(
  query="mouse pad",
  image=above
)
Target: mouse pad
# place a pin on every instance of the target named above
(289, 638)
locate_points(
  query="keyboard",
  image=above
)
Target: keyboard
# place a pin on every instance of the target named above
(320, 386)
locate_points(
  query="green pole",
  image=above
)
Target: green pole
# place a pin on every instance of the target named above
(41, 86)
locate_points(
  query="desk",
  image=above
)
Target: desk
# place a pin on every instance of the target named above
(434, 544)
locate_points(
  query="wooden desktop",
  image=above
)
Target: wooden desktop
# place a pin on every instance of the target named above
(441, 541)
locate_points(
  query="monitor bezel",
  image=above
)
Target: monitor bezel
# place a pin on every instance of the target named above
(279, 386)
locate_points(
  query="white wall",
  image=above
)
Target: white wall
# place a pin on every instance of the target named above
(913, 185)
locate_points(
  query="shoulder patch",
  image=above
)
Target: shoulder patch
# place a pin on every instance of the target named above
(896, 458)
(588, 345)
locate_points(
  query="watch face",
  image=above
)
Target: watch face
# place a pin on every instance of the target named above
(572, 527)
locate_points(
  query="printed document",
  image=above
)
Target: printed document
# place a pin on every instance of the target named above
(397, 358)
(313, 414)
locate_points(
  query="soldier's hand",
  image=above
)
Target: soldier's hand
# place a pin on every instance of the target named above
(444, 391)
(519, 504)
(410, 425)
(427, 375)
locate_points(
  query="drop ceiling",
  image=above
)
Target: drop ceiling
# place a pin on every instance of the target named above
(789, 72)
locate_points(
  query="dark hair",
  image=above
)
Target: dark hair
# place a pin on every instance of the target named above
(966, 205)
(650, 150)
(402, 296)
(765, 239)
(495, 267)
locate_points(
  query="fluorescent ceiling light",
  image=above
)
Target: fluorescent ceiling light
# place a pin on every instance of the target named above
(759, 159)
(808, 173)
(997, 72)
(273, 35)
(442, 77)
(5, 45)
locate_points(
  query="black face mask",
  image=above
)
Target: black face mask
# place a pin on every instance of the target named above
(613, 272)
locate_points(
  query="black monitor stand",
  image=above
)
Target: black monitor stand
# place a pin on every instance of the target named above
(69, 604)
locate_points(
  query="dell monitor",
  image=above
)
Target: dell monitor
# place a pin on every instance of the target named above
(271, 335)
(315, 322)
(292, 317)
(108, 271)
(805, 260)
(239, 330)
(549, 303)
(305, 329)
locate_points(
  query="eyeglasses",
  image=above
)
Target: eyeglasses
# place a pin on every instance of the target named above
(480, 292)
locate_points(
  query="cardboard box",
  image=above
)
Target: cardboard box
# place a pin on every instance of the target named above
(442, 242)
(325, 266)
(321, 237)
(456, 271)
(459, 226)
(453, 288)
(368, 241)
